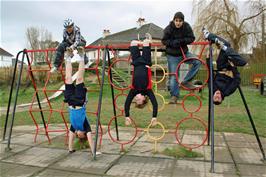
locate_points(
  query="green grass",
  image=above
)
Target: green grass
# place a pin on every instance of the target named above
(180, 152)
(229, 117)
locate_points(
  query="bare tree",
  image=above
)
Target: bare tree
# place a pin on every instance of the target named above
(40, 38)
(223, 18)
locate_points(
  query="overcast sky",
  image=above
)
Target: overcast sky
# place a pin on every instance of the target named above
(91, 16)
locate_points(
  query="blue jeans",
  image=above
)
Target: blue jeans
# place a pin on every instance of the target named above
(172, 65)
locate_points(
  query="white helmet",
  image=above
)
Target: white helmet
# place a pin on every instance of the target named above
(68, 22)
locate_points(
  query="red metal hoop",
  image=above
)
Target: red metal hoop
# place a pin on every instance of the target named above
(191, 95)
(187, 59)
(192, 146)
(118, 141)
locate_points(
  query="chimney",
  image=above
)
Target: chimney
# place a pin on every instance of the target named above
(141, 21)
(106, 33)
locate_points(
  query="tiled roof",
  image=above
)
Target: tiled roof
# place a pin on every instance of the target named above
(5, 53)
(130, 34)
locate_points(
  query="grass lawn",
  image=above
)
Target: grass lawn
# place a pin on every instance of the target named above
(229, 117)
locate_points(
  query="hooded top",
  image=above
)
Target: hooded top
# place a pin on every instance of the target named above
(174, 38)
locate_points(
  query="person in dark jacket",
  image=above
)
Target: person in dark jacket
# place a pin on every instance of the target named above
(72, 40)
(141, 87)
(178, 34)
(227, 78)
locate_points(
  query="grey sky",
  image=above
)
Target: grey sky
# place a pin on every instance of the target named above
(91, 16)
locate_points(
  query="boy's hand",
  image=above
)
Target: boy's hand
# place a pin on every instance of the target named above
(128, 121)
(153, 121)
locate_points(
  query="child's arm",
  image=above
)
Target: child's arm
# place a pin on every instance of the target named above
(71, 138)
(129, 99)
(153, 100)
(89, 137)
(187, 39)
(166, 40)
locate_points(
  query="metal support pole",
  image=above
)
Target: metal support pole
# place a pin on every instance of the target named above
(15, 102)
(209, 103)
(100, 102)
(252, 122)
(211, 111)
(37, 96)
(10, 94)
(113, 97)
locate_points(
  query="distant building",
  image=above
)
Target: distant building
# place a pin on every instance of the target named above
(5, 58)
(126, 36)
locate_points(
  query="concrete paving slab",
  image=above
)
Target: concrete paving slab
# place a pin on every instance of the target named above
(60, 173)
(142, 166)
(221, 154)
(234, 137)
(245, 144)
(14, 149)
(108, 146)
(15, 170)
(247, 155)
(146, 149)
(28, 139)
(201, 168)
(167, 138)
(252, 170)
(36, 156)
(57, 142)
(82, 162)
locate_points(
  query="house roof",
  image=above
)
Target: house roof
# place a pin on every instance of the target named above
(128, 35)
(5, 53)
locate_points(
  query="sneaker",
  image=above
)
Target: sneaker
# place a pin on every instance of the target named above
(188, 85)
(70, 152)
(173, 100)
(97, 153)
(205, 32)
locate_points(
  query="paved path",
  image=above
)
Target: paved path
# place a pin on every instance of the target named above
(236, 155)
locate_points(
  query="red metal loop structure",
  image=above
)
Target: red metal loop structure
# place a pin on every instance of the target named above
(117, 60)
(184, 100)
(51, 109)
(122, 142)
(187, 145)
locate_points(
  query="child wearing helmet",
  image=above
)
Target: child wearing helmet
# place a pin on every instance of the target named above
(72, 40)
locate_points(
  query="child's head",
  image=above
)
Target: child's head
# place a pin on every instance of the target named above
(141, 101)
(217, 97)
(81, 134)
(178, 19)
(69, 25)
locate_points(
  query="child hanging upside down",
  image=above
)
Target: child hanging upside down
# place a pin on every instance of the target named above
(75, 96)
(141, 87)
(227, 78)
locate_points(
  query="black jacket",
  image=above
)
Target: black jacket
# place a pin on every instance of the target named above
(222, 82)
(174, 38)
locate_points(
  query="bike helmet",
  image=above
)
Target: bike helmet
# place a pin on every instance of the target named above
(68, 23)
